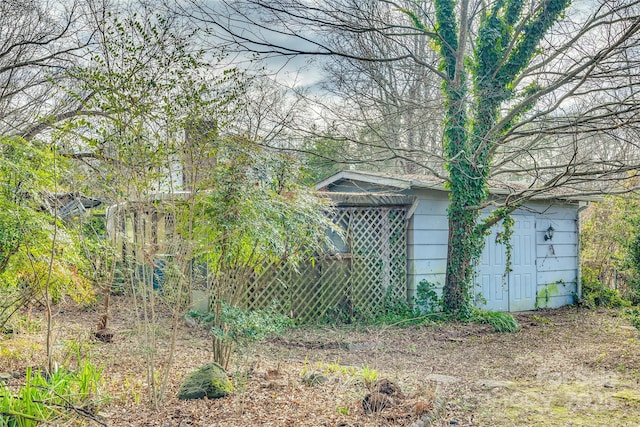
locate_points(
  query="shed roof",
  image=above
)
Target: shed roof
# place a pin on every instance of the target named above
(432, 182)
(68, 204)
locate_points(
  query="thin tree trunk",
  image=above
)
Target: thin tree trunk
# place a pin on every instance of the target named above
(47, 283)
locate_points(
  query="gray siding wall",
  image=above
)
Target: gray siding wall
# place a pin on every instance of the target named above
(557, 261)
(427, 236)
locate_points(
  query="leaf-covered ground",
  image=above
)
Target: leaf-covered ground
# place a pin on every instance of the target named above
(564, 367)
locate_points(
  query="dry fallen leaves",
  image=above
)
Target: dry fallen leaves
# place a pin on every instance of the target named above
(436, 375)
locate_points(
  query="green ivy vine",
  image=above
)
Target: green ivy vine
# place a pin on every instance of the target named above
(504, 238)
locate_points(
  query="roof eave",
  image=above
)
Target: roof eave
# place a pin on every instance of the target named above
(407, 184)
(402, 184)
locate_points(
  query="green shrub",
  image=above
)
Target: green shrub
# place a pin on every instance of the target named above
(631, 290)
(633, 315)
(427, 300)
(234, 328)
(633, 262)
(426, 307)
(595, 294)
(244, 326)
(394, 309)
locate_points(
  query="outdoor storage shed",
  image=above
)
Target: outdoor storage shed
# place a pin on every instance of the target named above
(545, 264)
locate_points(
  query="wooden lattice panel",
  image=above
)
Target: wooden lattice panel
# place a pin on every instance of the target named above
(356, 282)
(366, 267)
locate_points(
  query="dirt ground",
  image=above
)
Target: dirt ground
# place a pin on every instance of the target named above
(564, 367)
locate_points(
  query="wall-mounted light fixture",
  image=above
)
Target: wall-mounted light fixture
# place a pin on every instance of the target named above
(549, 233)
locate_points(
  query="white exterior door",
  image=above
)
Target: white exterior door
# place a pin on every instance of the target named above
(515, 291)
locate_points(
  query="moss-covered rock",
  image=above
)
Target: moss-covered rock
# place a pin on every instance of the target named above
(208, 381)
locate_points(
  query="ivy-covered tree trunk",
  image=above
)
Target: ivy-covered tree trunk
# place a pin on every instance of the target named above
(465, 189)
(506, 42)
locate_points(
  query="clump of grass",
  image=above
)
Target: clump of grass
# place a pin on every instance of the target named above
(335, 368)
(18, 350)
(343, 410)
(59, 397)
(541, 319)
(500, 322)
(369, 376)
